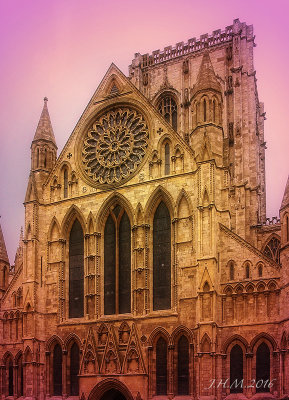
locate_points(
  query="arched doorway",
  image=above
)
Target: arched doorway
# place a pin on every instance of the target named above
(113, 394)
(110, 389)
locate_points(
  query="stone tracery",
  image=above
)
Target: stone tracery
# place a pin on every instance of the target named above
(115, 145)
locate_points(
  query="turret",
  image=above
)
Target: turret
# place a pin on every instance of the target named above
(206, 96)
(4, 265)
(206, 101)
(43, 147)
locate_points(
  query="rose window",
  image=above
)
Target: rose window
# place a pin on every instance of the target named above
(115, 145)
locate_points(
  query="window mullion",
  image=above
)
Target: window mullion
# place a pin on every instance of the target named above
(117, 267)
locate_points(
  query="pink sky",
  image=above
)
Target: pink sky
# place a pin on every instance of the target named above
(62, 48)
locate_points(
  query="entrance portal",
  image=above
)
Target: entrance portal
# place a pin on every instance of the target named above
(113, 394)
(110, 389)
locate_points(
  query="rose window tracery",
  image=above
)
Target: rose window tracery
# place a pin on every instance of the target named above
(115, 145)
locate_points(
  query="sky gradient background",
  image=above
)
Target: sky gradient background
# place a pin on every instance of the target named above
(62, 48)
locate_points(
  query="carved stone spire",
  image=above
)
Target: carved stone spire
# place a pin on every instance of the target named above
(206, 77)
(3, 251)
(44, 129)
(19, 251)
(43, 147)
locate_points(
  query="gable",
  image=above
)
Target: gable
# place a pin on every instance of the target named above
(119, 138)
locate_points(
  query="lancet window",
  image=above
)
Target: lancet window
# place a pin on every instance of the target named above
(117, 262)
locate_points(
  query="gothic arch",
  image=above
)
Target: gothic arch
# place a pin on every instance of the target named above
(183, 195)
(228, 290)
(90, 223)
(239, 288)
(156, 333)
(18, 356)
(283, 342)
(139, 214)
(166, 92)
(164, 138)
(107, 384)
(112, 200)
(112, 82)
(206, 342)
(250, 288)
(261, 286)
(263, 336)
(269, 239)
(70, 339)
(205, 108)
(247, 269)
(272, 285)
(28, 355)
(54, 229)
(72, 214)
(158, 195)
(6, 356)
(260, 269)
(231, 270)
(52, 341)
(65, 164)
(235, 339)
(178, 332)
(206, 197)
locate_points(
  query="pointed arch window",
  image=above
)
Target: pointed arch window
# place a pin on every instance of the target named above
(76, 266)
(74, 370)
(232, 271)
(263, 366)
(236, 369)
(10, 378)
(162, 258)
(183, 366)
(214, 110)
(272, 249)
(117, 262)
(205, 110)
(167, 159)
(161, 367)
(45, 158)
(260, 271)
(168, 108)
(247, 271)
(37, 165)
(20, 377)
(65, 183)
(57, 370)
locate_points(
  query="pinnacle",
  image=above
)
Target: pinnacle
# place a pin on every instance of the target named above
(206, 77)
(44, 129)
(3, 250)
(285, 200)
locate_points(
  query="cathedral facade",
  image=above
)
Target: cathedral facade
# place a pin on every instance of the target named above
(147, 268)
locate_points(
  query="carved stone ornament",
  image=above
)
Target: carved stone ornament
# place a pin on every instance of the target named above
(115, 145)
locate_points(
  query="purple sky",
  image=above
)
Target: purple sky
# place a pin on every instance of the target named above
(62, 48)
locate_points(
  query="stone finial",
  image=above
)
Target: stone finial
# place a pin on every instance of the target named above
(44, 128)
(206, 77)
(3, 250)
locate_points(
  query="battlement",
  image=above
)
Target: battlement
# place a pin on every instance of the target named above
(193, 45)
(272, 221)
